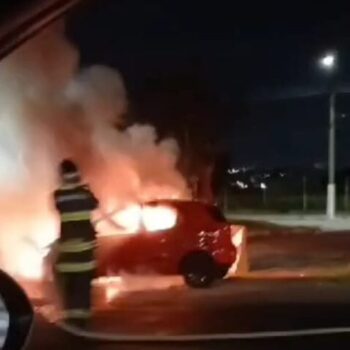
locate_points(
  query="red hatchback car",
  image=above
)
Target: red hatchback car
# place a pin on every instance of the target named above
(174, 237)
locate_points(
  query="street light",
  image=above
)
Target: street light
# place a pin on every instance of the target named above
(263, 187)
(329, 62)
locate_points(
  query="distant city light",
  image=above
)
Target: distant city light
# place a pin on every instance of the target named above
(242, 169)
(233, 171)
(241, 185)
(328, 61)
(263, 186)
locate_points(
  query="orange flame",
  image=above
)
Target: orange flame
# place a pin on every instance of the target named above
(31, 250)
(160, 217)
(44, 231)
(135, 218)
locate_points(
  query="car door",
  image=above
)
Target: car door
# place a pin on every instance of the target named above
(132, 255)
(159, 253)
(159, 233)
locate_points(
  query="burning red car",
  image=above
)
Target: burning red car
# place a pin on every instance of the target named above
(172, 237)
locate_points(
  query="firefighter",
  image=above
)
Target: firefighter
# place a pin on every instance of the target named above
(75, 263)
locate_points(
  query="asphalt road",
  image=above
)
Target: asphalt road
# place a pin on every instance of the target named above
(47, 337)
(297, 250)
(242, 305)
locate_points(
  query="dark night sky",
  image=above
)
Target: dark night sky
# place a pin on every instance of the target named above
(244, 53)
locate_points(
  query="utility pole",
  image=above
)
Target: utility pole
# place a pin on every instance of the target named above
(331, 188)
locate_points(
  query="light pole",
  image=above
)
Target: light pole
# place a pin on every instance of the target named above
(328, 62)
(304, 194)
(263, 189)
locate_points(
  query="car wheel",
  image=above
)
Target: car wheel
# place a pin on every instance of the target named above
(198, 270)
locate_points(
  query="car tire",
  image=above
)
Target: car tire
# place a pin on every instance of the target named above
(198, 270)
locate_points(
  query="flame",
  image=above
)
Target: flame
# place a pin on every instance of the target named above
(134, 218)
(123, 221)
(112, 286)
(160, 217)
(31, 265)
(237, 238)
(33, 249)
(112, 293)
(32, 244)
(129, 218)
(48, 112)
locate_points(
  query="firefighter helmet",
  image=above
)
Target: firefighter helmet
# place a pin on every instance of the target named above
(69, 172)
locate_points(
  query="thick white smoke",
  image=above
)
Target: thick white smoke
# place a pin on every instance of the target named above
(50, 110)
(128, 165)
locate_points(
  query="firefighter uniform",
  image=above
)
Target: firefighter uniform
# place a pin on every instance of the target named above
(75, 263)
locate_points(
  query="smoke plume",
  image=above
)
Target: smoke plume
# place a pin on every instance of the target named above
(49, 110)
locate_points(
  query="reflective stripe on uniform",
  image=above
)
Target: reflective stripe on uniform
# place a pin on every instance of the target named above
(76, 267)
(76, 246)
(70, 197)
(76, 313)
(76, 216)
(70, 186)
(71, 175)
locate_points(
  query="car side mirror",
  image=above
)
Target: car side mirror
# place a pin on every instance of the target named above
(16, 314)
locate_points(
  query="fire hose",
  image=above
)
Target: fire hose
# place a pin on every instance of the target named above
(108, 217)
(105, 337)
